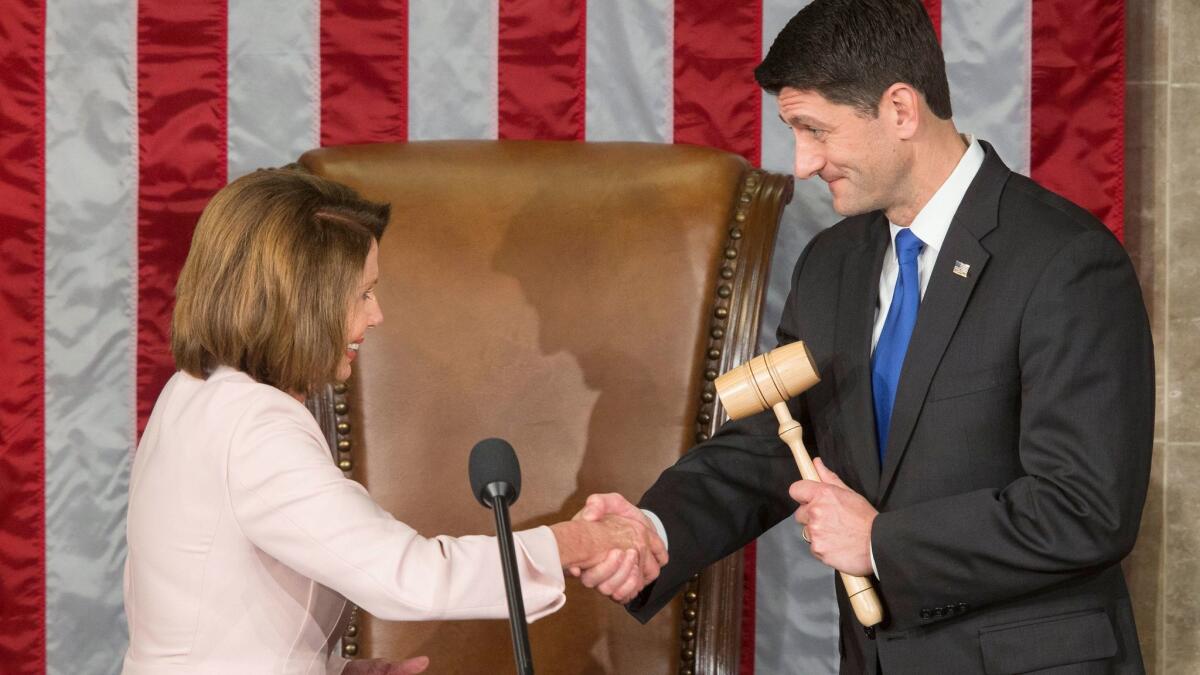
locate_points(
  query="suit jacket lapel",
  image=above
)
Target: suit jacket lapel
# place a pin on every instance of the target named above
(859, 293)
(943, 304)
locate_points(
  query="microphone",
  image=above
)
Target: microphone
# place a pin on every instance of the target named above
(496, 483)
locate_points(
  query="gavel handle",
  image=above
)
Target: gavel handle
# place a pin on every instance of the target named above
(860, 590)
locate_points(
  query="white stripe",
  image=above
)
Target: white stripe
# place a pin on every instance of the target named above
(629, 70)
(811, 210)
(796, 627)
(274, 92)
(91, 212)
(777, 146)
(452, 69)
(988, 48)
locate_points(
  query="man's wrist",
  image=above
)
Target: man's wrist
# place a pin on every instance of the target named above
(658, 527)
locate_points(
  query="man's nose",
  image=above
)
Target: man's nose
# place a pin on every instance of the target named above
(809, 159)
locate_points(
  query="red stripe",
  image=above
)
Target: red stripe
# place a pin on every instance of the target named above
(22, 302)
(717, 103)
(182, 160)
(749, 594)
(541, 72)
(364, 71)
(1077, 142)
(934, 9)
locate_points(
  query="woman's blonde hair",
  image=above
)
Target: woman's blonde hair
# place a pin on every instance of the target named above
(266, 287)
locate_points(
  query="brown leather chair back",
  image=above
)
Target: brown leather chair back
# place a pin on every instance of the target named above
(576, 299)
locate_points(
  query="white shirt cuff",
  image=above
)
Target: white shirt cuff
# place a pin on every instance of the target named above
(874, 568)
(658, 527)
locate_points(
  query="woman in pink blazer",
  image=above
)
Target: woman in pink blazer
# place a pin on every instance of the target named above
(244, 538)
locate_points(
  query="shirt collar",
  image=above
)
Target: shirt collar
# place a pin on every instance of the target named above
(933, 221)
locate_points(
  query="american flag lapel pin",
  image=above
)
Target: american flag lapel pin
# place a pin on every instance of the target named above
(961, 268)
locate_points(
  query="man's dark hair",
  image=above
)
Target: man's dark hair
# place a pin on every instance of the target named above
(851, 51)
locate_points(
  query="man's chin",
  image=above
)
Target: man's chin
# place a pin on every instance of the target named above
(846, 210)
(847, 207)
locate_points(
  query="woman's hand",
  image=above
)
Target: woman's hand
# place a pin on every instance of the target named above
(617, 553)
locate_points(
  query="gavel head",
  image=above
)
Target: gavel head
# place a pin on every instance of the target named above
(767, 379)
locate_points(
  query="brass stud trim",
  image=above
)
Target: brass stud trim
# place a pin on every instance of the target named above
(350, 634)
(723, 292)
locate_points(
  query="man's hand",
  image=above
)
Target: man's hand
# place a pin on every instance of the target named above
(599, 506)
(380, 667)
(619, 570)
(838, 521)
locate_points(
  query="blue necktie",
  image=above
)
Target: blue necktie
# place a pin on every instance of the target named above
(897, 329)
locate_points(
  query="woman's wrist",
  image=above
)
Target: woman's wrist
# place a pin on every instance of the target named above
(572, 539)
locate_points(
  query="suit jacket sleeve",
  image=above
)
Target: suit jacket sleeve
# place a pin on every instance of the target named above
(724, 492)
(293, 503)
(1086, 418)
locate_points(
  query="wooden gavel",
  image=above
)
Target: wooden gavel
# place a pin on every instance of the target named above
(769, 381)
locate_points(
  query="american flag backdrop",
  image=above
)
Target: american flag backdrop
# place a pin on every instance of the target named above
(119, 118)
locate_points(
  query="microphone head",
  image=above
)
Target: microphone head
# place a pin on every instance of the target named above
(494, 461)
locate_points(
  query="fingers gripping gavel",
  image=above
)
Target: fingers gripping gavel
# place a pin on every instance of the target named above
(769, 381)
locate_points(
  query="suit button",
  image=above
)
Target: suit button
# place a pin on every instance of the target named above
(925, 614)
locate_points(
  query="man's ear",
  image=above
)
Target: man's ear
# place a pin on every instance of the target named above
(900, 107)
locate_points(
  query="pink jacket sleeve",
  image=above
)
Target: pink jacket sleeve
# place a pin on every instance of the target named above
(292, 502)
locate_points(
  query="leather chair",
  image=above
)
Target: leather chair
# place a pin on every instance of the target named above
(576, 299)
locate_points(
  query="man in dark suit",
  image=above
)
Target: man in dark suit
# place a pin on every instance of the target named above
(984, 418)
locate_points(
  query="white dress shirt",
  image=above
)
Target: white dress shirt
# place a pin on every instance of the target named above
(931, 225)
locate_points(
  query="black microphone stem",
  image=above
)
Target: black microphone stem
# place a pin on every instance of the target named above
(516, 603)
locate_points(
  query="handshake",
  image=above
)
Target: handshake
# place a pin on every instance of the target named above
(611, 546)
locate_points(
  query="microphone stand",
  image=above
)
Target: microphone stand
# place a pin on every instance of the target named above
(499, 493)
